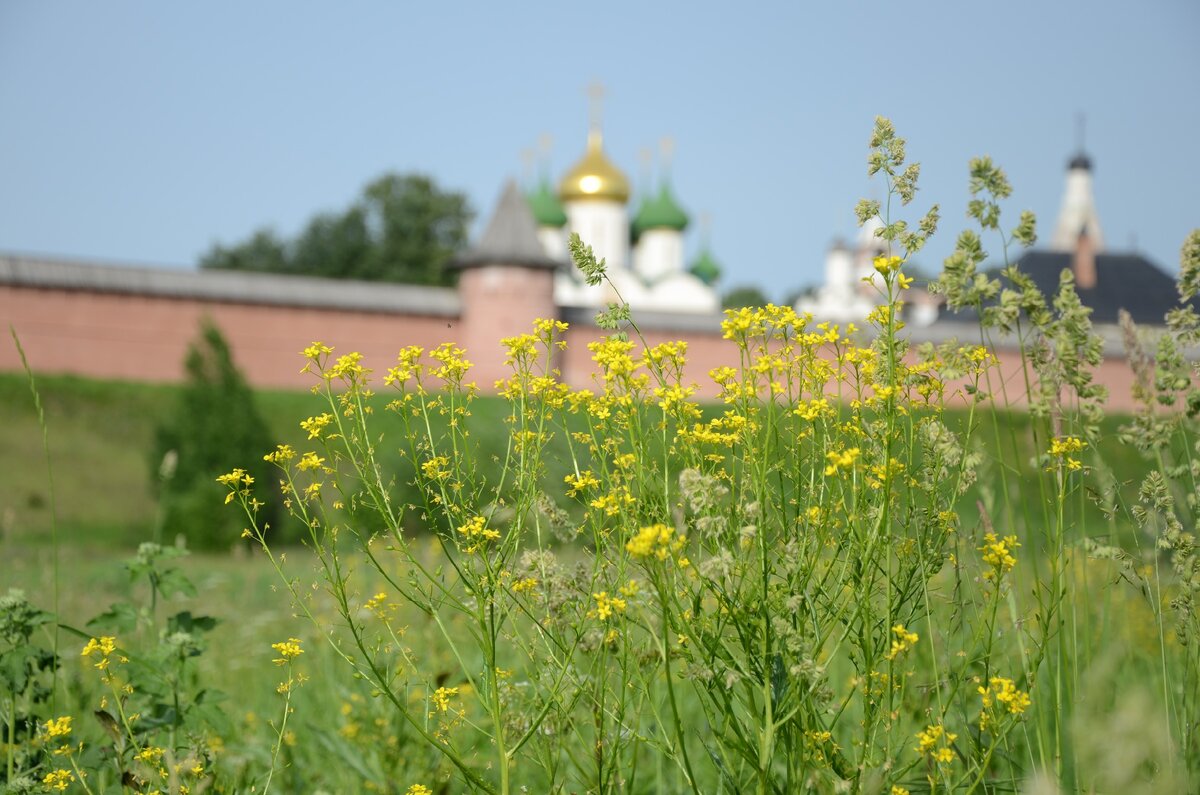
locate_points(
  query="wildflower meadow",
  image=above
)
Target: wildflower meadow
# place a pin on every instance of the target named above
(854, 571)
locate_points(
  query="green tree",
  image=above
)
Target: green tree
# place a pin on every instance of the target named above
(403, 228)
(213, 428)
(746, 295)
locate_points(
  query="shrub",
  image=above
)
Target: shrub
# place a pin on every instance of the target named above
(214, 425)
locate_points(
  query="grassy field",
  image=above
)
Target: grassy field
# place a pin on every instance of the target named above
(101, 433)
(342, 738)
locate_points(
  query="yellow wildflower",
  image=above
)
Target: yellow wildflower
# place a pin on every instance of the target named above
(58, 779)
(58, 727)
(606, 605)
(935, 742)
(288, 650)
(903, 641)
(441, 698)
(315, 425)
(997, 553)
(658, 540)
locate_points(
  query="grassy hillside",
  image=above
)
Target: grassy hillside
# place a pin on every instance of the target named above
(101, 435)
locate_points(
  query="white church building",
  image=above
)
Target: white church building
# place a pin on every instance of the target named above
(644, 250)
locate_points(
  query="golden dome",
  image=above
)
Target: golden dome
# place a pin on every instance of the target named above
(594, 177)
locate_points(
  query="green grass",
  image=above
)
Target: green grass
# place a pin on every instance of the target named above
(101, 434)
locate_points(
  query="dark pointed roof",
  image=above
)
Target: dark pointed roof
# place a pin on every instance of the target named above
(1123, 281)
(510, 237)
(1080, 160)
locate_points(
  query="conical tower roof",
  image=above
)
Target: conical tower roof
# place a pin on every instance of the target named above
(510, 237)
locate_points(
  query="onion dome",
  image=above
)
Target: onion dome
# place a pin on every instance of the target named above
(594, 176)
(705, 268)
(660, 212)
(547, 209)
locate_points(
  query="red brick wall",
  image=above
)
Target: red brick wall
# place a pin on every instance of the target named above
(144, 338)
(500, 301)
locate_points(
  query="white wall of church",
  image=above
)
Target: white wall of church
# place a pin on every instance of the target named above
(604, 226)
(659, 252)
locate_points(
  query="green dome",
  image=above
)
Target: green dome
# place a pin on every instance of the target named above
(660, 212)
(705, 268)
(547, 209)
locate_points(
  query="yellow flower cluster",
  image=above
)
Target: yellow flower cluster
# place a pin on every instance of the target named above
(1001, 691)
(436, 468)
(935, 743)
(477, 532)
(658, 540)
(58, 779)
(524, 584)
(378, 605)
(58, 727)
(452, 365)
(886, 265)
(418, 789)
(580, 483)
(815, 409)
(997, 553)
(315, 425)
(288, 650)
(441, 698)
(903, 641)
(409, 367)
(1064, 449)
(310, 461)
(724, 431)
(613, 356)
(347, 368)
(237, 477)
(103, 648)
(606, 605)
(151, 755)
(841, 459)
(614, 501)
(281, 455)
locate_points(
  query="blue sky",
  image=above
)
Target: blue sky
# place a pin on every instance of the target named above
(145, 132)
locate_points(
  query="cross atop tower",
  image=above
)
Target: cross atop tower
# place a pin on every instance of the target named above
(595, 93)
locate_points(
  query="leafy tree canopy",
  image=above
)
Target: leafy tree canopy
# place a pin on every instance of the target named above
(746, 295)
(403, 228)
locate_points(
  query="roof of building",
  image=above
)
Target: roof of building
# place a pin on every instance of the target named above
(510, 237)
(660, 212)
(594, 176)
(1123, 281)
(547, 209)
(705, 268)
(233, 286)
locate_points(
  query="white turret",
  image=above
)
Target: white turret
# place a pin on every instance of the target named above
(1078, 214)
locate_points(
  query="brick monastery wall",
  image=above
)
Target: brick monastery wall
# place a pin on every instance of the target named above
(145, 337)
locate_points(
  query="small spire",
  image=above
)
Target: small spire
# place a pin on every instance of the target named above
(545, 146)
(646, 170)
(595, 92)
(1080, 160)
(528, 157)
(666, 148)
